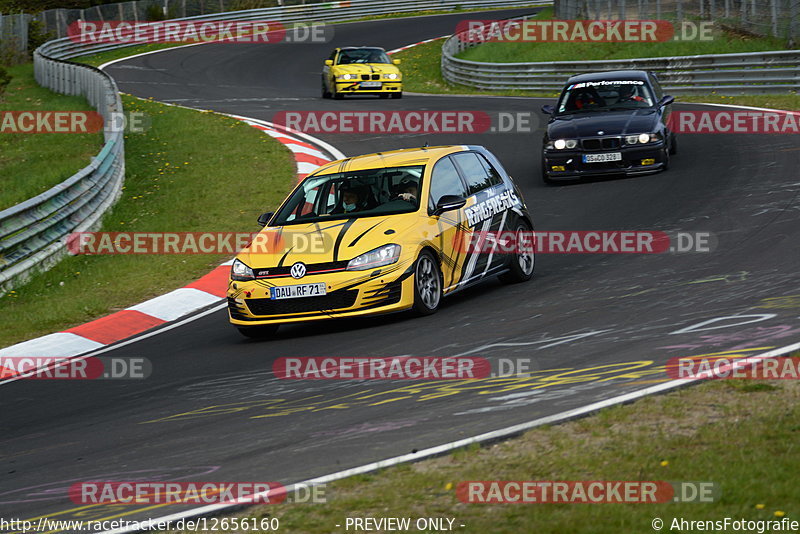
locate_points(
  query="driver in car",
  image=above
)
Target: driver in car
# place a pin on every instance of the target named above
(627, 93)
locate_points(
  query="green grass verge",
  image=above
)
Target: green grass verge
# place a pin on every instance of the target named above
(741, 435)
(176, 180)
(27, 165)
(422, 64)
(724, 42)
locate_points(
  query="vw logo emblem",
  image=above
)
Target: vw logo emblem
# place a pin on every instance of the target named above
(298, 270)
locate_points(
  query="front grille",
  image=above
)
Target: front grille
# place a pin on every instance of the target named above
(332, 301)
(311, 268)
(603, 143)
(366, 77)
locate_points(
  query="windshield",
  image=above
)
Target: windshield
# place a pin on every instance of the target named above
(367, 193)
(606, 95)
(363, 55)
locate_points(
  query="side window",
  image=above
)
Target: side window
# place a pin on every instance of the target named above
(656, 87)
(444, 181)
(475, 172)
(494, 176)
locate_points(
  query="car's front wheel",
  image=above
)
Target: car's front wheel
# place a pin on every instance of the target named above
(259, 332)
(325, 92)
(546, 177)
(397, 95)
(427, 284)
(524, 257)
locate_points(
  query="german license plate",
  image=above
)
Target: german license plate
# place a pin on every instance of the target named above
(601, 158)
(371, 85)
(298, 291)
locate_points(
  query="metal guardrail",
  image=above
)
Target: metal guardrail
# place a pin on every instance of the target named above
(33, 233)
(729, 74)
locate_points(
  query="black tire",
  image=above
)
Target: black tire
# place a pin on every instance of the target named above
(259, 332)
(428, 284)
(384, 95)
(325, 92)
(546, 177)
(337, 95)
(397, 95)
(666, 159)
(673, 144)
(522, 263)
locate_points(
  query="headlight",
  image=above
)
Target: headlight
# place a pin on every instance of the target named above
(561, 144)
(379, 257)
(346, 77)
(392, 76)
(641, 138)
(241, 272)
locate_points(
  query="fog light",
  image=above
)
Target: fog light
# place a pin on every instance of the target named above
(648, 161)
(558, 168)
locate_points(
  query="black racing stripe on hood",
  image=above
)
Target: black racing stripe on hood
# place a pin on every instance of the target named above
(283, 259)
(340, 237)
(365, 232)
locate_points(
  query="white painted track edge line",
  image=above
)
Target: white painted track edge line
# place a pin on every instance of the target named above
(447, 447)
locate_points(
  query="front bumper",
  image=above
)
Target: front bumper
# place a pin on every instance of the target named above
(355, 87)
(635, 160)
(349, 294)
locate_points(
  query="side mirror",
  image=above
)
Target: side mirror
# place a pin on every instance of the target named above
(449, 203)
(666, 100)
(329, 62)
(547, 108)
(264, 218)
(396, 61)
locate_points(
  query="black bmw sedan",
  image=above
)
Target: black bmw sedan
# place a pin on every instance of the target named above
(608, 123)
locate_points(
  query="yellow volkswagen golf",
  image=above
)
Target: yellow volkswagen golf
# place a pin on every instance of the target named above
(361, 70)
(382, 233)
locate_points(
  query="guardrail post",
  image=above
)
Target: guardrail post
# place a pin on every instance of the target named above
(774, 17)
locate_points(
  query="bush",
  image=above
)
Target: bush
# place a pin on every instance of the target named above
(36, 35)
(5, 79)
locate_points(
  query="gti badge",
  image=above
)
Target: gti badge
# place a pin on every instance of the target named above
(298, 270)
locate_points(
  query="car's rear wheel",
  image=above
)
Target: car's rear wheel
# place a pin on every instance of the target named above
(325, 92)
(259, 332)
(427, 284)
(397, 95)
(524, 259)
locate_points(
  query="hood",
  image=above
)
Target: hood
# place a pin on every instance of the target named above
(366, 68)
(581, 125)
(338, 240)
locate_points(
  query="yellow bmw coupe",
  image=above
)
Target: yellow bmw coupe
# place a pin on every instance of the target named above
(361, 70)
(380, 233)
